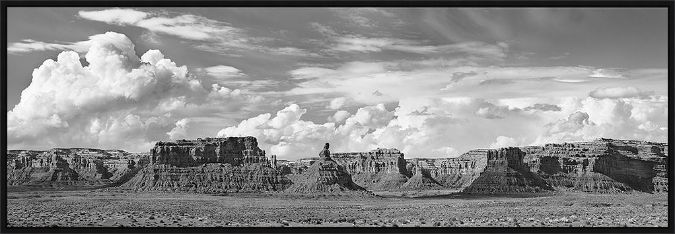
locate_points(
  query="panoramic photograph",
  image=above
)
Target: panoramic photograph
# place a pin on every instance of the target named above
(346, 117)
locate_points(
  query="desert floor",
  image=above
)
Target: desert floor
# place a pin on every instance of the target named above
(129, 209)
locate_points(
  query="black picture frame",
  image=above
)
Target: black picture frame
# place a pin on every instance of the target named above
(327, 3)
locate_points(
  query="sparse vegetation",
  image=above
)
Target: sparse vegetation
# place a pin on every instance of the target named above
(120, 208)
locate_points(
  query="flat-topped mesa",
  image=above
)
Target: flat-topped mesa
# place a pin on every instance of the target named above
(185, 153)
(602, 165)
(379, 169)
(209, 165)
(374, 161)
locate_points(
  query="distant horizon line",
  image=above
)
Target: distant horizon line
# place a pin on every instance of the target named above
(595, 139)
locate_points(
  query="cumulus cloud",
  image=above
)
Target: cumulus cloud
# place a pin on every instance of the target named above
(619, 92)
(180, 131)
(504, 141)
(339, 116)
(337, 103)
(590, 118)
(288, 136)
(573, 123)
(117, 100)
(371, 116)
(285, 134)
(440, 127)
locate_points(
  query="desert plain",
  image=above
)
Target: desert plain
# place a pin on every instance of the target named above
(119, 208)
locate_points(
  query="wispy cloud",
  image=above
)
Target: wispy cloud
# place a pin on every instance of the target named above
(29, 45)
(359, 80)
(293, 51)
(619, 92)
(323, 29)
(214, 35)
(366, 17)
(354, 43)
(562, 56)
(185, 26)
(222, 71)
(209, 35)
(606, 73)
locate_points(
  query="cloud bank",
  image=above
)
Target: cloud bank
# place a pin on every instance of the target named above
(447, 127)
(118, 100)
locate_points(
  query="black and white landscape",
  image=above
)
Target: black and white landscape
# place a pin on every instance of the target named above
(337, 117)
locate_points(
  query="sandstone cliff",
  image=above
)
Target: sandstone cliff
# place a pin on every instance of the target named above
(231, 150)
(379, 169)
(505, 173)
(603, 165)
(421, 180)
(214, 178)
(210, 165)
(237, 164)
(484, 171)
(600, 166)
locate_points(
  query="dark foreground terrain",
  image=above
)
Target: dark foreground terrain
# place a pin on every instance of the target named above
(105, 209)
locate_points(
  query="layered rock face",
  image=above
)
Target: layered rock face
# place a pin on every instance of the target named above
(379, 169)
(212, 178)
(484, 171)
(70, 167)
(455, 173)
(237, 164)
(325, 176)
(210, 165)
(421, 180)
(231, 150)
(600, 166)
(505, 172)
(603, 165)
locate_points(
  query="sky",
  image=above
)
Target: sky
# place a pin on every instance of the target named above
(431, 82)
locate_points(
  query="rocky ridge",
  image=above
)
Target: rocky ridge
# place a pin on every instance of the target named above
(599, 166)
(237, 164)
(71, 167)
